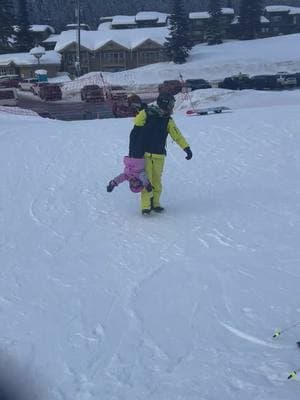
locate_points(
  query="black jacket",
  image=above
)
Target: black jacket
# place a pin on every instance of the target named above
(152, 136)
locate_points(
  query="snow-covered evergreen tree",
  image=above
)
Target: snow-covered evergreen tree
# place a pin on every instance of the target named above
(6, 25)
(24, 36)
(249, 18)
(179, 43)
(214, 31)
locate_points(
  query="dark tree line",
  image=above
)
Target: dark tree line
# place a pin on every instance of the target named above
(58, 13)
(7, 21)
(15, 33)
(23, 35)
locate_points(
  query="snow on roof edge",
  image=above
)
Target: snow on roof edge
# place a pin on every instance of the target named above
(127, 38)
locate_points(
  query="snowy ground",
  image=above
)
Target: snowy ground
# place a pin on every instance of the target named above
(98, 302)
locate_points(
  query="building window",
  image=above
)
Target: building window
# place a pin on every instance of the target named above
(198, 22)
(84, 58)
(149, 57)
(113, 57)
(70, 58)
(276, 18)
(6, 71)
(198, 33)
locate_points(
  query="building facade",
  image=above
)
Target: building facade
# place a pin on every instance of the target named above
(111, 57)
(143, 19)
(199, 24)
(112, 50)
(283, 19)
(25, 65)
(27, 71)
(41, 32)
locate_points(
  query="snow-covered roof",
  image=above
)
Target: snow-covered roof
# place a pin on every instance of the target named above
(151, 16)
(37, 50)
(294, 10)
(199, 15)
(41, 28)
(107, 22)
(123, 20)
(128, 38)
(50, 57)
(51, 39)
(263, 20)
(205, 14)
(40, 72)
(278, 8)
(227, 10)
(288, 9)
(106, 19)
(75, 26)
(104, 26)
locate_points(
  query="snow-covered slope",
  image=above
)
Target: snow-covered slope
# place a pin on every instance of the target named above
(100, 303)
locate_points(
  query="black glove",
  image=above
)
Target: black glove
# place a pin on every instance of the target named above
(189, 153)
(110, 187)
(149, 187)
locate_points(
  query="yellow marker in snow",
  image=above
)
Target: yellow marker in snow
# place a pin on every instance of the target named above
(292, 375)
(276, 334)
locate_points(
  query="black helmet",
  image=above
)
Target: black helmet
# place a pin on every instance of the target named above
(166, 101)
(134, 99)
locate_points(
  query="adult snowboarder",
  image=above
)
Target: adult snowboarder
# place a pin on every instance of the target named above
(148, 138)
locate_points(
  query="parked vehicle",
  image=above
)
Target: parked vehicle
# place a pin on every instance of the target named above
(8, 97)
(170, 86)
(118, 92)
(194, 84)
(26, 84)
(236, 82)
(121, 109)
(128, 107)
(46, 114)
(92, 93)
(286, 80)
(264, 82)
(9, 81)
(50, 92)
(297, 76)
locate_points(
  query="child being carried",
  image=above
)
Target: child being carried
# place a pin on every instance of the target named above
(134, 173)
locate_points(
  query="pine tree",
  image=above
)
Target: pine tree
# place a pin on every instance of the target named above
(6, 25)
(24, 36)
(179, 43)
(214, 31)
(249, 18)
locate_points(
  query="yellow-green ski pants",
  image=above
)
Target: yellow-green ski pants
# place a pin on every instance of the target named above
(154, 165)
